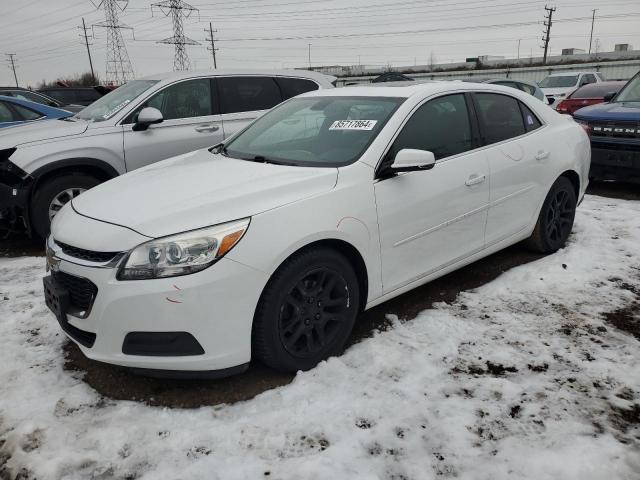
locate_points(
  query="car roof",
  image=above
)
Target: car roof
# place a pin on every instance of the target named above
(170, 76)
(407, 89)
(566, 74)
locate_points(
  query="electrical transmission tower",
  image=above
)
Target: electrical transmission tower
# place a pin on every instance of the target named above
(547, 33)
(11, 57)
(179, 10)
(212, 40)
(119, 69)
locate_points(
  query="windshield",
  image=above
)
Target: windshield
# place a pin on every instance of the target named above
(630, 92)
(314, 131)
(559, 81)
(107, 106)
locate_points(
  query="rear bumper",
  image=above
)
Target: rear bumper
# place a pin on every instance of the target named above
(615, 162)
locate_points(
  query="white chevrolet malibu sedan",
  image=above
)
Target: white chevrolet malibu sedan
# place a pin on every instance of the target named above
(269, 245)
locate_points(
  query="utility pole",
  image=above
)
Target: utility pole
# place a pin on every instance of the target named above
(593, 19)
(309, 55)
(519, 40)
(119, 69)
(212, 48)
(86, 42)
(547, 35)
(13, 65)
(179, 10)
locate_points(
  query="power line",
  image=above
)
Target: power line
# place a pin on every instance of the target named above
(547, 35)
(178, 9)
(119, 69)
(13, 65)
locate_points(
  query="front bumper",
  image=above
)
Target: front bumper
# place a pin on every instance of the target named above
(215, 307)
(615, 161)
(14, 202)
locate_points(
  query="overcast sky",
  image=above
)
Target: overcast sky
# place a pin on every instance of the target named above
(44, 34)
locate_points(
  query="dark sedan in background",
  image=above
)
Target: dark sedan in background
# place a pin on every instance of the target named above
(590, 94)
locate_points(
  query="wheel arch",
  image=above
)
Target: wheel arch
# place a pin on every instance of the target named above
(351, 253)
(100, 169)
(574, 178)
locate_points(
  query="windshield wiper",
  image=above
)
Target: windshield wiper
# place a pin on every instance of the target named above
(262, 159)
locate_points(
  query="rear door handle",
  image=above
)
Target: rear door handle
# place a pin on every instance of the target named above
(542, 155)
(209, 127)
(474, 180)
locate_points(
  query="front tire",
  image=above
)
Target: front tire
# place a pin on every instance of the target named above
(53, 194)
(556, 218)
(306, 311)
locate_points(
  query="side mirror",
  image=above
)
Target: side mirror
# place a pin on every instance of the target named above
(609, 96)
(147, 116)
(410, 160)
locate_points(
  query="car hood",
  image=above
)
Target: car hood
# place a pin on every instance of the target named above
(39, 131)
(197, 190)
(610, 111)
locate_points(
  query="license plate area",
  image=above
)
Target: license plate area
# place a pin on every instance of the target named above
(56, 298)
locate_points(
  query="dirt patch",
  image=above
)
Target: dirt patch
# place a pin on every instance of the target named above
(626, 319)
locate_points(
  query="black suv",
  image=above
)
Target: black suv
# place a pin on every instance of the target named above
(77, 95)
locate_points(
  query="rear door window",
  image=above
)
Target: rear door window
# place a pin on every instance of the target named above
(292, 87)
(247, 94)
(500, 117)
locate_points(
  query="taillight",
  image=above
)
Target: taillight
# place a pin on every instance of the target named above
(562, 107)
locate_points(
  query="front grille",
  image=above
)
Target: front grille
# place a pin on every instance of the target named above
(89, 255)
(615, 129)
(82, 292)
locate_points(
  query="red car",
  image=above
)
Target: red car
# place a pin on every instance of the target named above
(589, 95)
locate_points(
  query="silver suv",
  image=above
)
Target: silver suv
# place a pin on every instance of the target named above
(44, 165)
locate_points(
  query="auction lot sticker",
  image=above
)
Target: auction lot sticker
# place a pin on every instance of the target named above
(353, 125)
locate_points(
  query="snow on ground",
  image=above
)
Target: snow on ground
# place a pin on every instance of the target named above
(522, 378)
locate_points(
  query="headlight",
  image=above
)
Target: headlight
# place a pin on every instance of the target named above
(183, 253)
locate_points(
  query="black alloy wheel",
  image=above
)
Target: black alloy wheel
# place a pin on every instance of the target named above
(560, 213)
(306, 311)
(312, 312)
(556, 218)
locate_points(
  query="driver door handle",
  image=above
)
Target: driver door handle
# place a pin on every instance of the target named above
(474, 180)
(207, 127)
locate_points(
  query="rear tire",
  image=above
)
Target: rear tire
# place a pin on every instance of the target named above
(556, 218)
(306, 311)
(53, 194)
